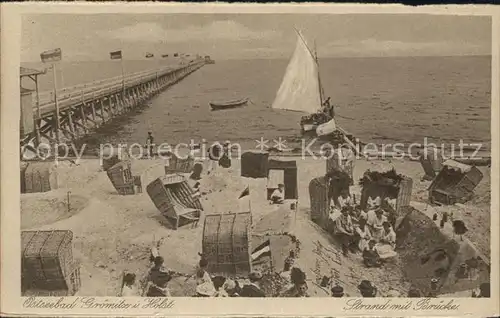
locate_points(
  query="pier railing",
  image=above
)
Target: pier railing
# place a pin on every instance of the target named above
(81, 109)
(70, 95)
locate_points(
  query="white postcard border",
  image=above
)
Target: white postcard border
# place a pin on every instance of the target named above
(11, 303)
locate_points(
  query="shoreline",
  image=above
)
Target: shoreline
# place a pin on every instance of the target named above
(471, 160)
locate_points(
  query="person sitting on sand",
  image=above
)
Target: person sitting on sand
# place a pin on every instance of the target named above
(278, 196)
(371, 257)
(482, 292)
(374, 220)
(373, 203)
(205, 290)
(344, 229)
(299, 289)
(196, 190)
(367, 289)
(387, 242)
(157, 268)
(230, 288)
(253, 289)
(358, 214)
(344, 199)
(158, 287)
(337, 291)
(202, 276)
(298, 286)
(129, 289)
(363, 234)
(218, 282)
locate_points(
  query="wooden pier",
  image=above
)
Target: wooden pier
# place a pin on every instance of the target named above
(79, 110)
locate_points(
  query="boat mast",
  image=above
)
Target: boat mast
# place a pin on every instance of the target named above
(319, 77)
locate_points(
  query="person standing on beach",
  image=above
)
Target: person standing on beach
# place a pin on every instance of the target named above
(214, 155)
(150, 143)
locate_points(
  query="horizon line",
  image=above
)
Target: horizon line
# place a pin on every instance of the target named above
(276, 58)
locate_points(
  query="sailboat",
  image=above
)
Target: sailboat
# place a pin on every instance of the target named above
(301, 91)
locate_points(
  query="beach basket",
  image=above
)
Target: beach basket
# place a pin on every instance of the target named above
(175, 199)
(455, 183)
(40, 177)
(226, 243)
(401, 191)
(23, 167)
(121, 177)
(109, 162)
(254, 164)
(319, 200)
(47, 262)
(179, 165)
(290, 178)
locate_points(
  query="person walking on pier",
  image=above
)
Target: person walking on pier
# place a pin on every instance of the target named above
(150, 144)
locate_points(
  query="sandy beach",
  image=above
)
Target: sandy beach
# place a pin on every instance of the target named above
(114, 233)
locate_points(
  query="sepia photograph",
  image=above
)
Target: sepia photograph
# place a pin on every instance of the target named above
(255, 155)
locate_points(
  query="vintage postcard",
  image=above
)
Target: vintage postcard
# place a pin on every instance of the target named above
(174, 156)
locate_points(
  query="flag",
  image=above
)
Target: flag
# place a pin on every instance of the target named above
(51, 56)
(116, 55)
(262, 250)
(149, 55)
(326, 128)
(245, 192)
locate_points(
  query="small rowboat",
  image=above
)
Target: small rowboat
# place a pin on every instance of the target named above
(229, 104)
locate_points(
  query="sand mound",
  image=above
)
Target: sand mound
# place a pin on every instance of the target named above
(77, 175)
(38, 209)
(321, 255)
(424, 250)
(276, 222)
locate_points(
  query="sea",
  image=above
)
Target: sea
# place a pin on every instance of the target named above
(380, 100)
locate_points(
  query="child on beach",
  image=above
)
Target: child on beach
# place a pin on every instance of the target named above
(387, 242)
(129, 289)
(375, 219)
(371, 257)
(363, 234)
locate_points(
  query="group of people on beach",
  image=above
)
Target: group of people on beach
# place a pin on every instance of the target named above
(367, 230)
(156, 284)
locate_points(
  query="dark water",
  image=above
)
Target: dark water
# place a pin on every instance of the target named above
(382, 100)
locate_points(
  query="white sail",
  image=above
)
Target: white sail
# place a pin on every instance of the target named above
(300, 88)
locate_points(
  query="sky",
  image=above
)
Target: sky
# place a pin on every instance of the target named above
(87, 37)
